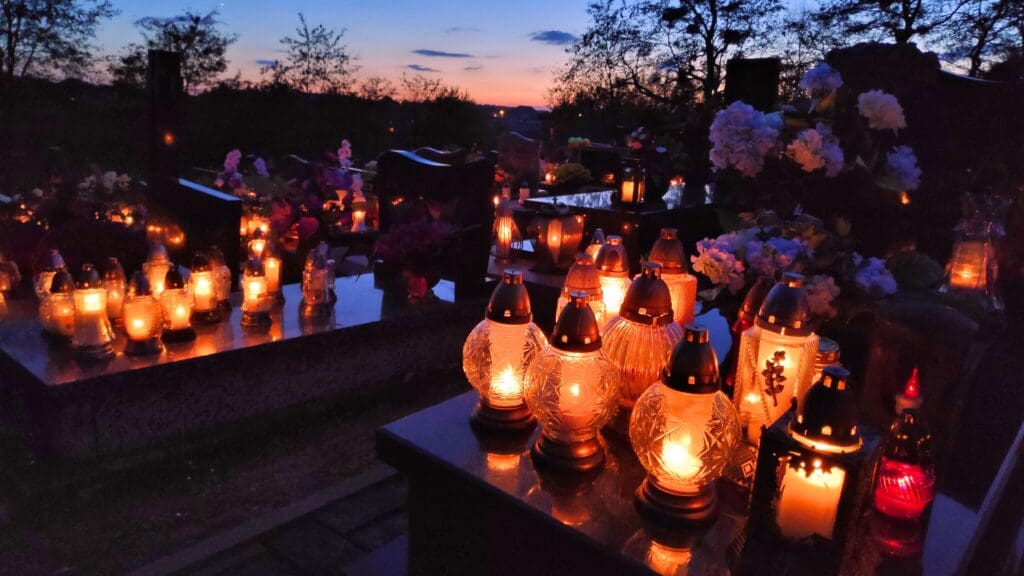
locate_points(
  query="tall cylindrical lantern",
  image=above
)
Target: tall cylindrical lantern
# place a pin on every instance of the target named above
(582, 277)
(632, 183)
(559, 235)
(255, 303)
(973, 268)
(496, 355)
(316, 299)
(668, 251)
(156, 266)
(176, 301)
(572, 389)
(596, 241)
(613, 270)
(683, 429)
(506, 234)
(53, 263)
(905, 477)
(221, 276)
(93, 333)
(744, 321)
(640, 338)
(143, 318)
(776, 357)
(57, 306)
(203, 284)
(114, 281)
(272, 265)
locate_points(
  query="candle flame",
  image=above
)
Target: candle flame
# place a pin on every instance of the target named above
(92, 303)
(678, 458)
(506, 385)
(913, 388)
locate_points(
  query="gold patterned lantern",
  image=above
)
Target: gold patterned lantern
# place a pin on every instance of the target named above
(57, 306)
(156, 266)
(114, 281)
(143, 318)
(203, 285)
(93, 333)
(583, 277)
(668, 251)
(176, 301)
(776, 357)
(613, 270)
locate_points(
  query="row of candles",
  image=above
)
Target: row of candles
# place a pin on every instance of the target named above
(158, 304)
(625, 356)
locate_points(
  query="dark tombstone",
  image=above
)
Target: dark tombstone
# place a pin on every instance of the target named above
(166, 101)
(754, 81)
(451, 157)
(520, 157)
(602, 162)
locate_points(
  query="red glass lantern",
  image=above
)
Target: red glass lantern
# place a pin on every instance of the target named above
(905, 479)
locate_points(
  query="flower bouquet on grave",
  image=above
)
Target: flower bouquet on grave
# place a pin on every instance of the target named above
(416, 248)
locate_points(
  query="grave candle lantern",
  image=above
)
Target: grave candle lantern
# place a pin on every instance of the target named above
(640, 338)
(683, 430)
(93, 333)
(176, 301)
(10, 276)
(57, 307)
(257, 243)
(506, 233)
(203, 284)
(358, 212)
(613, 270)
(632, 183)
(668, 251)
(596, 241)
(744, 321)
(973, 268)
(316, 300)
(156, 266)
(905, 479)
(53, 263)
(496, 355)
(114, 282)
(255, 304)
(143, 318)
(776, 357)
(559, 237)
(910, 397)
(221, 276)
(809, 467)
(572, 389)
(272, 270)
(582, 277)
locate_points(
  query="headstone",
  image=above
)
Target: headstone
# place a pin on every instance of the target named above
(166, 102)
(754, 81)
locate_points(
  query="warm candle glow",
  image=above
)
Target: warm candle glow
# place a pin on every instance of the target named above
(809, 501)
(554, 238)
(256, 246)
(506, 388)
(272, 270)
(613, 292)
(92, 302)
(628, 189)
(678, 457)
(781, 371)
(968, 265)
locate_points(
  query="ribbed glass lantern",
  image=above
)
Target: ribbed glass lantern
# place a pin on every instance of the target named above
(613, 270)
(143, 318)
(176, 301)
(156, 266)
(57, 306)
(496, 355)
(668, 251)
(114, 281)
(583, 277)
(776, 357)
(683, 430)
(639, 340)
(93, 333)
(905, 478)
(572, 389)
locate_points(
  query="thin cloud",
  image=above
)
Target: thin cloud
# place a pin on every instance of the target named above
(441, 53)
(421, 68)
(553, 37)
(263, 62)
(458, 29)
(473, 68)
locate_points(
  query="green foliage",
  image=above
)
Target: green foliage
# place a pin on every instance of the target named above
(572, 176)
(315, 61)
(49, 37)
(915, 271)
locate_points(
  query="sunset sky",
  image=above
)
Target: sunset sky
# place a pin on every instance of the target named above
(501, 52)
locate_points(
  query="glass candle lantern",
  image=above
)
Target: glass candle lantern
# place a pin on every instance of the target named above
(316, 301)
(973, 268)
(559, 235)
(910, 397)
(905, 477)
(496, 355)
(221, 276)
(810, 463)
(358, 212)
(57, 307)
(93, 333)
(143, 318)
(596, 241)
(640, 338)
(828, 355)
(114, 282)
(776, 357)
(176, 301)
(744, 321)
(53, 263)
(10, 276)
(506, 234)
(203, 285)
(632, 183)
(257, 243)
(255, 303)
(156, 266)
(272, 265)
(613, 270)
(668, 251)
(329, 266)
(582, 277)
(572, 389)
(683, 430)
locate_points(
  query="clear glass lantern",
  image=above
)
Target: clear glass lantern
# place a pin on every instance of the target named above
(810, 466)
(582, 277)
(257, 243)
(203, 285)
(973, 268)
(143, 318)
(57, 306)
(329, 265)
(668, 251)
(573, 390)
(256, 304)
(114, 281)
(905, 477)
(316, 300)
(683, 430)
(776, 357)
(596, 241)
(827, 355)
(272, 265)
(639, 340)
(221, 276)
(632, 183)
(53, 263)
(744, 321)
(613, 270)
(156, 266)
(358, 212)
(10, 276)
(176, 301)
(93, 333)
(505, 231)
(559, 235)
(496, 355)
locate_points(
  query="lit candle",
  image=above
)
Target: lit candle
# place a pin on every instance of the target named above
(967, 265)
(554, 238)
(272, 270)
(139, 327)
(627, 191)
(114, 282)
(176, 301)
(573, 405)
(809, 500)
(677, 454)
(613, 271)
(92, 334)
(202, 289)
(911, 395)
(156, 267)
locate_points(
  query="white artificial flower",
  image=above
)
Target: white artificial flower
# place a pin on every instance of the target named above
(231, 161)
(902, 167)
(109, 179)
(882, 110)
(874, 278)
(741, 137)
(719, 264)
(820, 81)
(37, 192)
